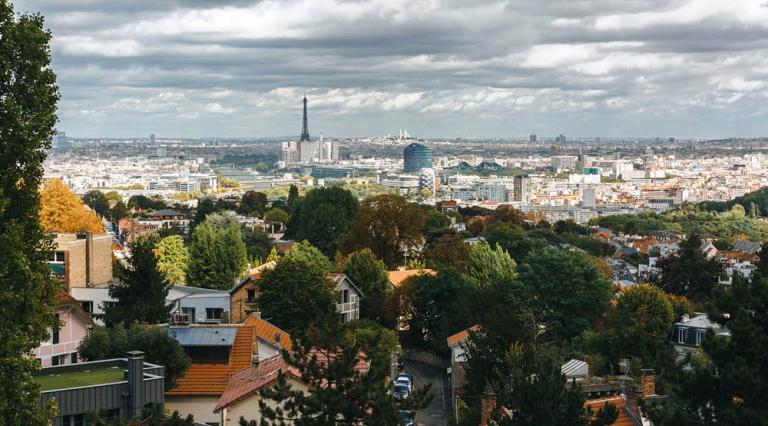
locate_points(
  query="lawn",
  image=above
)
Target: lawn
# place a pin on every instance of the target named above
(72, 379)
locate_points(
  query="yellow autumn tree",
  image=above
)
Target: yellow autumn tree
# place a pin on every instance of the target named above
(63, 211)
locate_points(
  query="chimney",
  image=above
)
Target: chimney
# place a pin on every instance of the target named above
(256, 314)
(684, 318)
(487, 405)
(135, 383)
(648, 383)
(255, 364)
(89, 259)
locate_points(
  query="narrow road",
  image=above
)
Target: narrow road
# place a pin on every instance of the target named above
(438, 413)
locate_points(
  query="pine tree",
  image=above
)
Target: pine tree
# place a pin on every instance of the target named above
(143, 289)
(28, 97)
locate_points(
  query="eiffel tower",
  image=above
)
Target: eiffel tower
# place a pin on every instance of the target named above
(305, 126)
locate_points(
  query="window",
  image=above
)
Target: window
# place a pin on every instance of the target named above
(55, 332)
(190, 313)
(214, 313)
(57, 257)
(73, 358)
(251, 295)
(681, 335)
(87, 306)
(699, 336)
(345, 296)
(59, 360)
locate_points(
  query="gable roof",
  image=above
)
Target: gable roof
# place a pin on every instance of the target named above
(67, 301)
(253, 275)
(462, 335)
(247, 381)
(339, 278)
(397, 277)
(211, 379)
(745, 246)
(268, 333)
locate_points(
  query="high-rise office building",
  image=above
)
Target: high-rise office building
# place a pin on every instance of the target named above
(533, 138)
(152, 138)
(416, 157)
(520, 188)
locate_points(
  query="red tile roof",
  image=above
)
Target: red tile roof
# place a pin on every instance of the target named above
(269, 332)
(211, 379)
(622, 419)
(397, 277)
(462, 335)
(245, 382)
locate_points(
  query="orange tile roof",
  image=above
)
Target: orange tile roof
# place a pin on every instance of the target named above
(211, 379)
(268, 332)
(462, 335)
(400, 275)
(622, 419)
(244, 382)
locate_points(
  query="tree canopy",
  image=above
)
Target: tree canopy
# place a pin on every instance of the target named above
(369, 274)
(688, 272)
(322, 217)
(218, 255)
(97, 201)
(173, 259)
(488, 265)
(63, 211)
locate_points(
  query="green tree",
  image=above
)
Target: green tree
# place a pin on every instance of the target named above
(205, 206)
(173, 259)
(369, 274)
(253, 203)
(689, 273)
(571, 293)
(257, 243)
(218, 255)
(276, 215)
(28, 97)
(114, 196)
(296, 295)
(97, 201)
(323, 217)
(513, 239)
(293, 196)
(487, 265)
(119, 211)
(142, 202)
(728, 383)
(158, 347)
(388, 225)
(140, 295)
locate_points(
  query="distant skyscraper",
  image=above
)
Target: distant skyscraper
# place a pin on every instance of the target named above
(152, 138)
(520, 188)
(59, 139)
(588, 197)
(560, 140)
(305, 125)
(416, 157)
(533, 138)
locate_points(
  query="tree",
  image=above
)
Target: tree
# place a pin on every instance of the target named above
(689, 273)
(276, 215)
(253, 203)
(436, 224)
(369, 274)
(119, 211)
(340, 390)
(727, 384)
(488, 266)
(140, 295)
(293, 196)
(114, 196)
(296, 295)
(28, 97)
(217, 253)
(388, 225)
(205, 206)
(142, 202)
(323, 217)
(506, 214)
(571, 293)
(97, 201)
(173, 259)
(63, 211)
(513, 239)
(257, 243)
(158, 347)
(449, 251)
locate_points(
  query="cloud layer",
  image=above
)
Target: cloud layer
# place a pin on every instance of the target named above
(440, 68)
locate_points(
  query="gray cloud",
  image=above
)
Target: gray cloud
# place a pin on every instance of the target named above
(437, 67)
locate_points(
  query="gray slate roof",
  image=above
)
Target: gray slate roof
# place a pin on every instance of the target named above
(203, 336)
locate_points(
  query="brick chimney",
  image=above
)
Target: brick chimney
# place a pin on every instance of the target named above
(487, 406)
(648, 383)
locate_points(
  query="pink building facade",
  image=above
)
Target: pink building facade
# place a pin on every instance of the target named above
(61, 346)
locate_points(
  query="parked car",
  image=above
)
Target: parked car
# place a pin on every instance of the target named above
(407, 417)
(405, 379)
(401, 391)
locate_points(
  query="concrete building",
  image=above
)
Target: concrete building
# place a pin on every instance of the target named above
(118, 388)
(82, 260)
(520, 191)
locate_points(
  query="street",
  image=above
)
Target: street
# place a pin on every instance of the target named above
(438, 413)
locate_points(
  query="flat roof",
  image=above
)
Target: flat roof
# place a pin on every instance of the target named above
(80, 378)
(204, 336)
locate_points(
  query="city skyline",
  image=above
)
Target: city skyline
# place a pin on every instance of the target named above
(685, 69)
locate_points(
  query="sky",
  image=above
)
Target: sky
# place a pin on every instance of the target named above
(438, 68)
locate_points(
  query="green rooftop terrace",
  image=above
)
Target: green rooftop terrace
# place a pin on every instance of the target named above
(80, 378)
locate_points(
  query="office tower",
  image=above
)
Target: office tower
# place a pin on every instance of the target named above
(533, 138)
(152, 138)
(560, 140)
(416, 157)
(520, 188)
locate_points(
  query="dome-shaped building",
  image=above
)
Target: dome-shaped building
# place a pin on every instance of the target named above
(416, 157)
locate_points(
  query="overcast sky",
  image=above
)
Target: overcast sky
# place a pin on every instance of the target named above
(439, 68)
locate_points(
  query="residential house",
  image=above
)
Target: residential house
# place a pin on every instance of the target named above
(118, 388)
(688, 333)
(399, 276)
(270, 339)
(166, 219)
(198, 305)
(747, 247)
(82, 260)
(63, 342)
(349, 296)
(215, 352)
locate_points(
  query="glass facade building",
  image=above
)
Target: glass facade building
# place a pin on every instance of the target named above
(416, 157)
